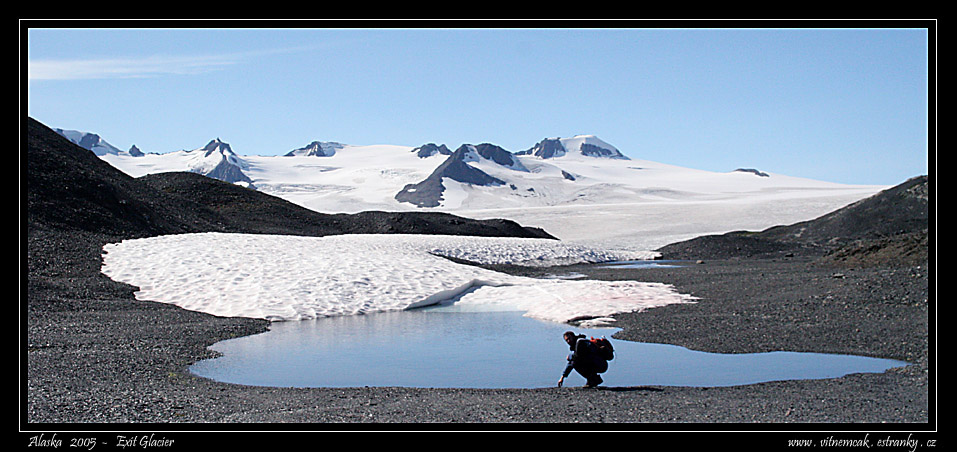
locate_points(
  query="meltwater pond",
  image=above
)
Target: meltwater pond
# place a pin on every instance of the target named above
(448, 348)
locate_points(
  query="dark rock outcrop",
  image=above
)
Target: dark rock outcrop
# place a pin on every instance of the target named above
(597, 151)
(546, 149)
(430, 149)
(752, 171)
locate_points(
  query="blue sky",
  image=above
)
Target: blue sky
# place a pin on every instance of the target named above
(842, 105)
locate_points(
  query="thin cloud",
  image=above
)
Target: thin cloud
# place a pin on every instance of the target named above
(141, 67)
(109, 68)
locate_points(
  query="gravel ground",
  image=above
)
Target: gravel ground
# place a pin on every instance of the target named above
(94, 354)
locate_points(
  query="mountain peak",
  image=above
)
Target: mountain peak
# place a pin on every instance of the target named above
(592, 146)
(587, 145)
(88, 141)
(217, 145)
(317, 148)
(217, 160)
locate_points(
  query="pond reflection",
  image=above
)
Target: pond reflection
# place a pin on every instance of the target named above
(448, 347)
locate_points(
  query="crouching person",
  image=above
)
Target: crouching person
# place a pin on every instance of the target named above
(585, 359)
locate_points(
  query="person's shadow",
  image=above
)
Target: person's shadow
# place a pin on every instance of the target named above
(629, 388)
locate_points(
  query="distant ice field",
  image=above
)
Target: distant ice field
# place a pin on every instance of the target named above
(293, 278)
(609, 202)
(652, 225)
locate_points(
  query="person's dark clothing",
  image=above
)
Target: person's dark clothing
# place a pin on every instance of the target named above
(585, 360)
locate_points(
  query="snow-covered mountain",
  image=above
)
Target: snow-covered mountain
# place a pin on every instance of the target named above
(89, 141)
(589, 145)
(578, 188)
(462, 166)
(217, 160)
(316, 148)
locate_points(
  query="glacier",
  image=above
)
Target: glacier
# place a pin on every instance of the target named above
(608, 201)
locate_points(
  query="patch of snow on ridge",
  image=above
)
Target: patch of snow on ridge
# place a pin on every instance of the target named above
(293, 278)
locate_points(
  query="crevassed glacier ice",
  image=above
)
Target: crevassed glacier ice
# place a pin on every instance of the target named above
(292, 278)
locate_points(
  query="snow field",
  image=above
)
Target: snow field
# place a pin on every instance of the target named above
(293, 278)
